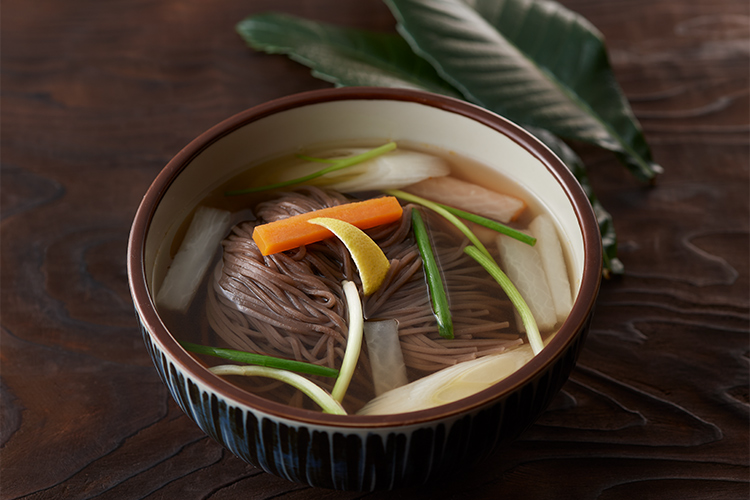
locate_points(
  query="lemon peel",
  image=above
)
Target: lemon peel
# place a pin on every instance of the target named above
(369, 258)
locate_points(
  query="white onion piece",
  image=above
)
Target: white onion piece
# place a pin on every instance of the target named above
(386, 358)
(393, 170)
(522, 264)
(449, 384)
(203, 237)
(550, 251)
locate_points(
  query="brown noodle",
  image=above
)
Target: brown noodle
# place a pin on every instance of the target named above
(292, 305)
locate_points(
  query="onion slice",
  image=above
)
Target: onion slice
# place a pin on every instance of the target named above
(449, 384)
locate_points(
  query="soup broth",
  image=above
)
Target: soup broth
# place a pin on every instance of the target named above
(291, 305)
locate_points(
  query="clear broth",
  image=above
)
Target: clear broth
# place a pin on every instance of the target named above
(194, 327)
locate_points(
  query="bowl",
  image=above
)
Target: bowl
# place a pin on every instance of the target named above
(362, 452)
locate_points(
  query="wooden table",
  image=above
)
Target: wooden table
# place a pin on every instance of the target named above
(98, 96)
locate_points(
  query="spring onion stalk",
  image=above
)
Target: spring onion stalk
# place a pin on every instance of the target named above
(353, 341)
(491, 224)
(261, 360)
(436, 207)
(439, 299)
(337, 165)
(316, 393)
(317, 160)
(489, 264)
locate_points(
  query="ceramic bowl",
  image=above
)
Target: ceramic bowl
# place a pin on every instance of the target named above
(362, 452)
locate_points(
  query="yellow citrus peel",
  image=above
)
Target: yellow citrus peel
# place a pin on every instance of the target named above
(369, 258)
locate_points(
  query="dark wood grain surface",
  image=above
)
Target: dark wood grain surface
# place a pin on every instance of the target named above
(97, 97)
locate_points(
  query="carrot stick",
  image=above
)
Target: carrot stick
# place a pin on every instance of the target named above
(293, 232)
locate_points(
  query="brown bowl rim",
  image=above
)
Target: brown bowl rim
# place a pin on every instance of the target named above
(576, 321)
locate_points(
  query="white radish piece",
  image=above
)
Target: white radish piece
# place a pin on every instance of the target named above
(522, 264)
(469, 198)
(553, 261)
(203, 237)
(386, 358)
(449, 384)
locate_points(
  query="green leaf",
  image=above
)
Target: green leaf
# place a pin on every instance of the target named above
(534, 62)
(349, 57)
(343, 56)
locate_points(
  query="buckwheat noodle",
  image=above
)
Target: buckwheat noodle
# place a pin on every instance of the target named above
(292, 304)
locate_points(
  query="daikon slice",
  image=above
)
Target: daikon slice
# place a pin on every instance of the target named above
(522, 264)
(386, 358)
(469, 197)
(206, 230)
(553, 261)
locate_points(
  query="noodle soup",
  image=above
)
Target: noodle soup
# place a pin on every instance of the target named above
(291, 304)
(384, 444)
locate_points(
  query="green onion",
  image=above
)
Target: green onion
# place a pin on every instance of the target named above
(491, 224)
(316, 393)
(337, 165)
(443, 212)
(451, 211)
(317, 160)
(439, 299)
(489, 264)
(353, 340)
(261, 360)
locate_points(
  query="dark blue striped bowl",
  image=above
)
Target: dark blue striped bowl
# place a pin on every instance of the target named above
(362, 452)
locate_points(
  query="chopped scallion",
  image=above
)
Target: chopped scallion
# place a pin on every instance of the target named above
(261, 360)
(315, 392)
(491, 224)
(438, 297)
(436, 207)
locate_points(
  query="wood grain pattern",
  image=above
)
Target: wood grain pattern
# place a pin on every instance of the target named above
(97, 97)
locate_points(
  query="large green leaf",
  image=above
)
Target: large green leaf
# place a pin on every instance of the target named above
(350, 57)
(344, 56)
(533, 61)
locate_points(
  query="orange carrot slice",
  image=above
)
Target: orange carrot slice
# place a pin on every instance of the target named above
(293, 232)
